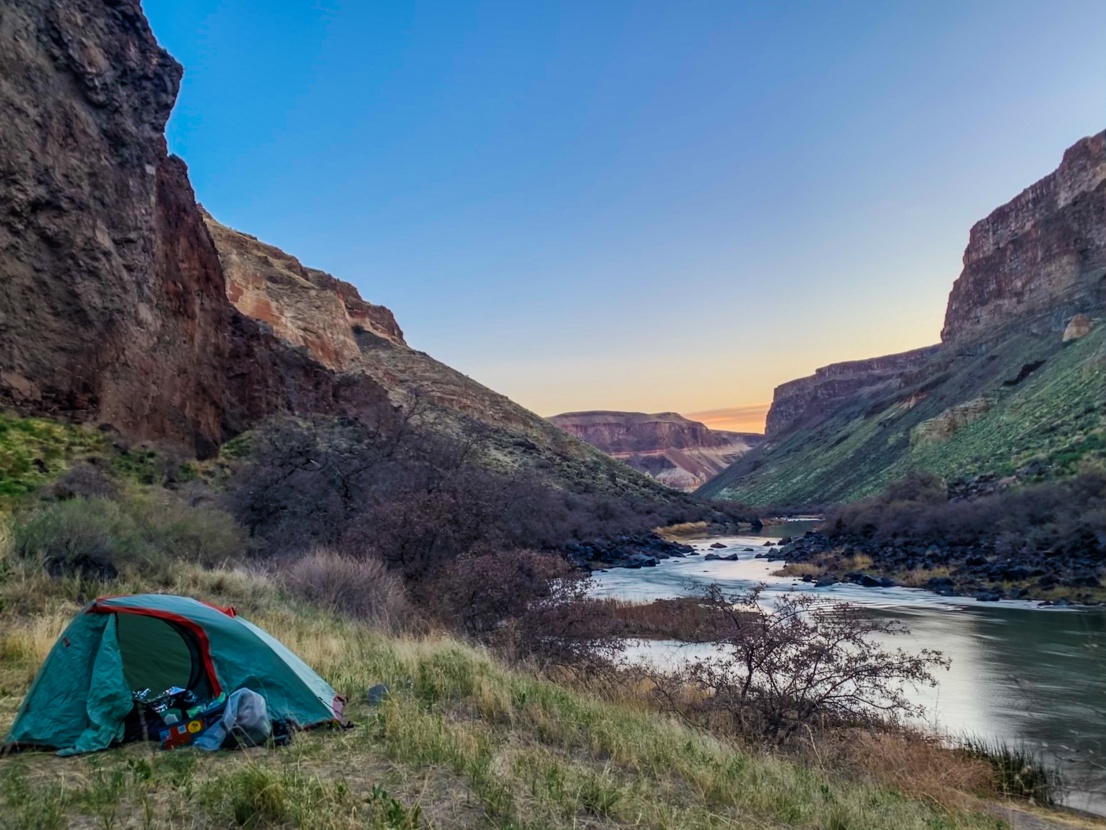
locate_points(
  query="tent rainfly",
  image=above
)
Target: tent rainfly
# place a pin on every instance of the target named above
(119, 645)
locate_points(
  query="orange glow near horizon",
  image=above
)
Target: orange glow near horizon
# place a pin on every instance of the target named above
(734, 418)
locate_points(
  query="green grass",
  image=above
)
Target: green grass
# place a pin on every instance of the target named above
(462, 741)
(34, 451)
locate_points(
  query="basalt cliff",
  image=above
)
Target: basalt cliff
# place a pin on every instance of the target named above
(1014, 390)
(123, 304)
(678, 452)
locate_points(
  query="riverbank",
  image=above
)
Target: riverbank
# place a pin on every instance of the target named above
(945, 570)
(1043, 541)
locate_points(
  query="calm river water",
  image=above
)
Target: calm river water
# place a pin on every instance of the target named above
(1019, 673)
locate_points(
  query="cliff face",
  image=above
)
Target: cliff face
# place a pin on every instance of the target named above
(1040, 258)
(304, 307)
(111, 295)
(678, 452)
(317, 346)
(1015, 383)
(811, 397)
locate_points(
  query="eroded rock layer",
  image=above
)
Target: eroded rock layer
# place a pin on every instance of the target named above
(1041, 257)
(678, 452)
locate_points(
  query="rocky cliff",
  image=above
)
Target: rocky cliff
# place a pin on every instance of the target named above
(805, 399)
(678, 452)
(123, 304)
(1041, 257)
(1016, 383)
(111, 295)
(303, 306)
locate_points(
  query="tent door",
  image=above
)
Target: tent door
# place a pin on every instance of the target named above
(159, 653)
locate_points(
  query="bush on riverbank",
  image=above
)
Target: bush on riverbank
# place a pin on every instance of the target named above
(1060, 517)
(803, 666)
(1045, 540)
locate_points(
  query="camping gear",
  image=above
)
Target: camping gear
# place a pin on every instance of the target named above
(184, 728)
(84, 691)
(245, 720)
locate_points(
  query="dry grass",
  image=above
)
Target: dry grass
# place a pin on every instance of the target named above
(682, 618)
(913, 764)
(461, 742)
(918, 577)
(684, 532)
(800, 569)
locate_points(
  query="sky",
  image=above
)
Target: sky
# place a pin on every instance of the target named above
(647, 206)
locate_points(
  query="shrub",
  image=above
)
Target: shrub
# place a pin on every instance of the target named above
(202, 534)
(89, 537)
(84, 481)
(417, 498)
(802, 664)
(1064, 519)
(100, 538)
(530, 606)
(362, 588)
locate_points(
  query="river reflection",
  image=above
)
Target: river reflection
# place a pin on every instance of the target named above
(1019, 673)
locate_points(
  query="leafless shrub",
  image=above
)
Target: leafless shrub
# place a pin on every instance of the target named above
(530, 606)
(800, 665)
(362, 588)
(1061, 518)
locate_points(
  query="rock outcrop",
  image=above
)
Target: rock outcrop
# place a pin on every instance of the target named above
(678, 452)
(303, 306)
(1041, 257)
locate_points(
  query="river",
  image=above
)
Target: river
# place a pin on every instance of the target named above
(1019, 673)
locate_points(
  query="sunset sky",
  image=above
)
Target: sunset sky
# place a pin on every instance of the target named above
(661, 206)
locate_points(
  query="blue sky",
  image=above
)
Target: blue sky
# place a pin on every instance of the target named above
(650, 206)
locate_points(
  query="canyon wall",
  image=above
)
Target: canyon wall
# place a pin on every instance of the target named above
(1014, 386)
(802, 400)
(111, 296)
(123, 304)
(678, 452)
(1040, 258)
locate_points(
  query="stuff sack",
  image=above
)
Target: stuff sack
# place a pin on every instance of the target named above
(245, 722)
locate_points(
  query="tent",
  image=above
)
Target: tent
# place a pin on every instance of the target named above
(119, 645)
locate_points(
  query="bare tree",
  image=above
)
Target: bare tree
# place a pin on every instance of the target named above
(802, 663)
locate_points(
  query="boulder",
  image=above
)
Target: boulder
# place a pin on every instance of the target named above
(1078, 327)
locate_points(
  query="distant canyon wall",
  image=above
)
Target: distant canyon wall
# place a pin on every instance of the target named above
(678, 452)
(1014, 388)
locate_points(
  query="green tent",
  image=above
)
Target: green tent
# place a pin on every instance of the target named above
(118, 645)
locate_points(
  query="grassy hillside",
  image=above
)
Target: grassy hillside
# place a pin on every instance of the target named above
(462, 742)
(1052, 418)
